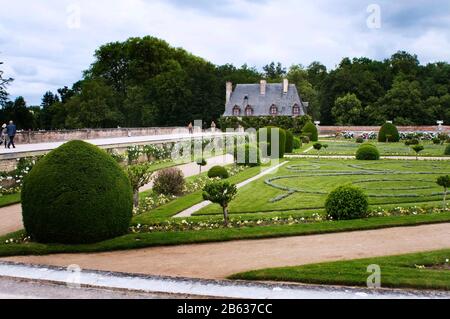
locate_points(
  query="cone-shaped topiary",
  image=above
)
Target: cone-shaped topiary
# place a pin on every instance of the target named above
(388, 133)
(310, 130)
(289, 142)
(77, 194)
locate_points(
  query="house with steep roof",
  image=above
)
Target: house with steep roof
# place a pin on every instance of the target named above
(264, 99)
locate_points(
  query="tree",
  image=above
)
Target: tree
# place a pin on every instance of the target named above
(46, 116)
(318, 147)
(3, 83)
(201, 162)
(418, 149)
(222, 193)
(444, 181)
(139, 175)
(274, 72)
(348, 110)
(299, 76)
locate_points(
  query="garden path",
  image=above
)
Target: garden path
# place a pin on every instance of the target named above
(406, 158)
(220, 260)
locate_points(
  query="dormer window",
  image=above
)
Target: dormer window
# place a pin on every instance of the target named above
(248, 111)
(273, 110)
(236, 111)
(296, 110)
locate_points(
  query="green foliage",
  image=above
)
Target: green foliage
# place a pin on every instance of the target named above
(201, 162)
(347, 202)
(388, 133)
(293, 124)
(318, 146)
(359, 140)
(267, 133)
(247, 155)
(367, 152)
(221, 193)
(413, 141)
(444, 181)
(218, 172)
(306, 140)
(447, 150)
(347, 110)
(310, 130)
(76, 194)
(139, 175)
(297, 143)
(418, 148)
(289, 142)
(169, 182)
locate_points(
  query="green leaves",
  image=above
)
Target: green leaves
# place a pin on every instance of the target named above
(221, 193)
(444, 181)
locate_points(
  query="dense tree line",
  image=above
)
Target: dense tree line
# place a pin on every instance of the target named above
(146, 82)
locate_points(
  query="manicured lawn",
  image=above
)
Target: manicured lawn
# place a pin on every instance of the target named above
(142, 240)
(428, 270)
(7, 200)
(350, 147)
(304, 184)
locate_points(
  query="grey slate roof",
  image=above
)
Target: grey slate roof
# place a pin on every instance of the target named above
(261, 103)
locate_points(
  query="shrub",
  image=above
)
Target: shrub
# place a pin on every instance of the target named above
(77, 194)
(436, 141)
(221, 193)
(245, 155)
(289, 142)
(413, 141)
(447, 150)
(388, 133)
(347, 202)
(311, 131)
(367, 152)
(268, 131)
(218, 172)
(297, 143)
(306, 140)
(359, 140)
(169, 182)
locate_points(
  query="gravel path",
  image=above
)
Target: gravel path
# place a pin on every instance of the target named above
(219, 260)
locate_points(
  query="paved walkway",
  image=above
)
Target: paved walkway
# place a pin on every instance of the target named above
(220, 260)
(42, 148)
(192, 210)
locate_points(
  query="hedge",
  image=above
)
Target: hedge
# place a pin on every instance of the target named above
(289, 142)
(388, 132)
(294, 124)
(310, 130)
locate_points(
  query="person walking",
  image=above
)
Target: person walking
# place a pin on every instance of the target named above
(11, 131)
(4, 136)
(191, 128)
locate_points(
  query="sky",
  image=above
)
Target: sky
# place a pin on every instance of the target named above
(47, 44)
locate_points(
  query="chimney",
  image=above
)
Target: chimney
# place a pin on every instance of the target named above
(263, 86)
(229, 87)
(285, 86)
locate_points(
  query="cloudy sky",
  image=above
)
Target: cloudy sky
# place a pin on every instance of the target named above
(47, 44)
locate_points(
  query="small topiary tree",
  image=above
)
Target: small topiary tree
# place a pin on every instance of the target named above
(297, 143)
(347, 202)
(418, 149)
(306, 140)
(311, 131)
(367, 152)
(221, 193)
(201, 162)
(318, 147)
(77, 194)
(169, 182)
(447, 150)
(359, 140)
(444, 181)
(218, 172)
(289, 142)
(139, 175)
(268, 132)
(388, 133)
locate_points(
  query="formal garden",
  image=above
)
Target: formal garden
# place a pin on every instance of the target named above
(79, 198)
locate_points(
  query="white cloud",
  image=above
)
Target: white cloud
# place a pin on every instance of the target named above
(42, 53)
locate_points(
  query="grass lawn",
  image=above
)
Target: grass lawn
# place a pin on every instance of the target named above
(143, 240)
(7, 200)
(349, 147)
(304, 184)
(428, 270)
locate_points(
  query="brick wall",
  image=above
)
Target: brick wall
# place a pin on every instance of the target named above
(31, 137)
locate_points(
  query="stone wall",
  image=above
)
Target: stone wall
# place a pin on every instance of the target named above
(331, 130)
(31, 137)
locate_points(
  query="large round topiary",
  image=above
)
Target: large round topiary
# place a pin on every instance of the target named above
(347, 202)
(218, 172)
(310, 130)
(289, 142)
(268, 132)
(367, 152)
(388, 133)
(447, 150)
(77, 194)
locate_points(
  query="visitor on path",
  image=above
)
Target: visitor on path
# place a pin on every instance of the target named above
(213, 127)
(11, 130)
(191, 128)
(4, 136)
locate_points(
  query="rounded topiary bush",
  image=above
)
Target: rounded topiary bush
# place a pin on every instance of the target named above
(218, 172)
(297, 143)
(347, 202)
(77, 194)
(447, 150)
(310, 130)
(289, 142)
(367, 152)
(267, 132)
(388, 133)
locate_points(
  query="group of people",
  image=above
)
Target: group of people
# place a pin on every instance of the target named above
(8, 133)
